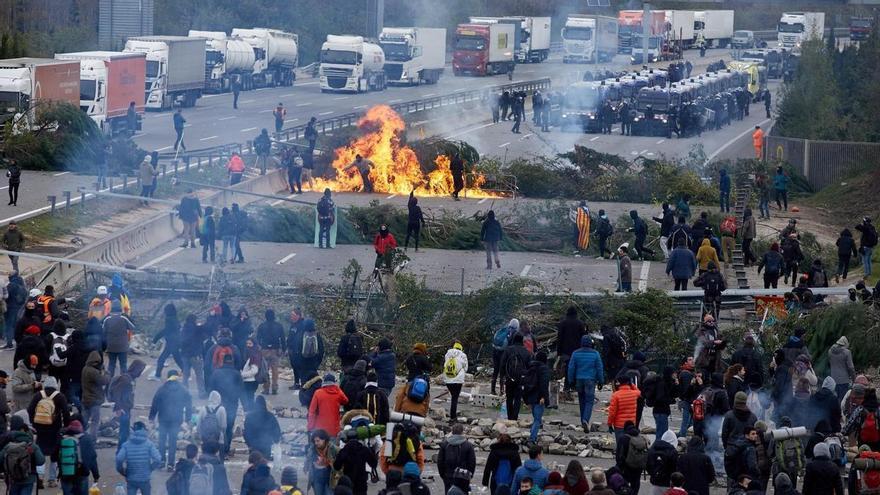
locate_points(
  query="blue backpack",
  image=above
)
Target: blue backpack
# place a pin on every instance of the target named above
(501, 338)
(503, 473)
(418, 389)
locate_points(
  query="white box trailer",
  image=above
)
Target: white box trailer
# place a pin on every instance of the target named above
(714, 27)
(796, 27)
(175, 69)
(413, 54)
(680, 27)
(589, 38)
(531, 35)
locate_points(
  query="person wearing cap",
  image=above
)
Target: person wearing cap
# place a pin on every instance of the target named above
(13, 240)
(455, 367)
(586, 371)
(48, 426)
(86, 462)
(136, 460)
(261, 430)
(624, 269)
(117, 331)
(384, 244)
(227, 380)
(100, 305)
(324, 409)
(24, 382)
(171, 406)
(20, 433)
(623, 406)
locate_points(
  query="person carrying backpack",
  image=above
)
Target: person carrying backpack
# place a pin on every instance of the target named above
(713, 284)
(415, 397)
(514, 364)
(417, 364)
(211, 420)
(405, 448)
(229, 383)
(455, 366)
(311, 348)
(77, 458)
(353, 460)
(353, 382)
(178, 482)
(218, 350)
(171, 406)
(384, 361)
(121, 393)
(586, 371)
(536, 391)
(631, 455)
(662, 460)
(373, 399)
(864, 421)
(270, 336)
(324, 409)
(21, 456)
(48, 412)
(533, 468)
(867, 243)
(351, 346)
(502, 462)
(136, 460)
(208, 476)
(740, 458)
(500, 340)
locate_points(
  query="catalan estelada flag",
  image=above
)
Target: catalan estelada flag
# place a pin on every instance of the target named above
(583, 225)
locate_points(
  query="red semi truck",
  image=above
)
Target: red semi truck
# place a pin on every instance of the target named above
(483, 49)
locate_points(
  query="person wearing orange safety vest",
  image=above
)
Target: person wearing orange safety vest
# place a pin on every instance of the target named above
(758, 142)
(100, 306)
(236, 168)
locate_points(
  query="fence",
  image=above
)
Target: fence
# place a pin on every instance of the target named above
(822, 163)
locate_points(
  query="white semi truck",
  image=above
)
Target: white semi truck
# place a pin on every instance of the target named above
(531, 36)
(589, 38)
(276, 53)
(175, 69)
(226, 60)
(348, 63)
(109, 82)
(713, 27)
(796, 27)
(680, 27)
(413, 54)
(26, 83)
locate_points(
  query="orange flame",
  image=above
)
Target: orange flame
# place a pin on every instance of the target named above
(396, 169)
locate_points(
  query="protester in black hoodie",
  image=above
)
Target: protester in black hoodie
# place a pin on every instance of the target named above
(737, 420)
(77, 353)
(502, 462)
(665, 393)
(569, 331)
(513, 354)
(667, 221)
(846, 249)
(821, 476)
(351, 346)
(257, 479)
(637, 371)
(697, 467)
(631, 474)
(353, 382)
(353, 460)
(662, 459)
(825, 406)
(373, 399)
(171, 333)
(261, 429)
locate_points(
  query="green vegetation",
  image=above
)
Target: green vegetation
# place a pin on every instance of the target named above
(834, 93)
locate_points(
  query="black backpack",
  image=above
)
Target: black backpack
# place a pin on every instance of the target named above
(712, 284)
(515, 368)
(773, 265)
(734, 459)
(529, 380)
(869, 236)
(354, 345)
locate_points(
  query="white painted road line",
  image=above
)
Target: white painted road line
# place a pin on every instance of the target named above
(359, 107)
(303, 104)
(285, 259)
(469, 130)
(227, 118)
(482, 201)
(161, 258)
(279, 201)
(209, 138)
(525, 270)
(429, 94)
(266, 111)
(326, 113)
(661, 141)
(396, 100)
(737, 138)
(288, 95)
(308, 83)
(342, 98)
(165, 148)
(503, 145)
(391, 197)
(246, 101)
(595, 138)
(59, 174)
(643, 277)
(643, 151)
(527, 135)
(249, 129)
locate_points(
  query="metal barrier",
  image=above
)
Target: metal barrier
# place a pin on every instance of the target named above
(822, 163)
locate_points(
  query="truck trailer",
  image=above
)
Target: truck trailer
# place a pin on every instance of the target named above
(175, 69)
(531, 36)
(680, 28)
(108, 83)
(713, 27)
(276, 53)
(348, 63)
(483, 49)
(630, 22)
(796, 27)
(227, 59)
(413, 54)
(589, 38)
(25, 83)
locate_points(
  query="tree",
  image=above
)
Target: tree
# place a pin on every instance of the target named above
(4, 46)
(810, 106)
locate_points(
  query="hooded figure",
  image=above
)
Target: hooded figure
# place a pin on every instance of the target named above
(455, 452)
(822, 476)
(840, 366)
(258, 479)
(354, 381)
(261, 429)
(782, 485)
(697, 467)
(23, 384)
(137, 457)
(214, 427)
(324, 409)
(737, 419)
(662, 459)
(310, 363)
(825, 406)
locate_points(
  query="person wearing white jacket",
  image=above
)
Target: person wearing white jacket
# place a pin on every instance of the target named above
(455, 365)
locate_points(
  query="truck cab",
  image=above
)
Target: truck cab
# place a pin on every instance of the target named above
(860, 28)
(484, 49)
(796, 27)
(26, 82)
(656, 49)
(348, 63)
(15, 94)
(413, 55)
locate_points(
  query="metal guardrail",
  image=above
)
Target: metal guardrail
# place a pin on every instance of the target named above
(213, 151)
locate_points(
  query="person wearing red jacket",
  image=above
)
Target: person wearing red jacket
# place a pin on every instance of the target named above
(235, 168)
(324, 408)
(384, 244)
(624, 404)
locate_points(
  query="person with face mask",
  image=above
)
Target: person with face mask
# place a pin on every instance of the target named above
(384, 244)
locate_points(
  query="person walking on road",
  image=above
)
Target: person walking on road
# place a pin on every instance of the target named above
(758, 142)
(767, 101)
(171, 406)
(724, 190)
(121, 393)
(491, 234)
(279, 113)
(270, 336)
(136, 460)
(455, 368)
(780, 186)
(263, 148)
(13, 240)
(517, 115)
(235, 168)
(240, 226)
(586, 371)
(235, 86)
(94, 380)
(189, 210)
(682, 265)
(13, 173)
(179, 125)
(146, 173)
(117, 329)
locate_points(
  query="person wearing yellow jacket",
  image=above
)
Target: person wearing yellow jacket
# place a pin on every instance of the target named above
(705, 254)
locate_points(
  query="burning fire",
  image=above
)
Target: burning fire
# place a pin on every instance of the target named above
(396, 170)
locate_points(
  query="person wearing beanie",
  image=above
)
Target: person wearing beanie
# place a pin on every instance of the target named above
(411, 481)
(117, 328)
(20, 433)
(324, 409)
(696, 466)
(373, 399)
(356, 460)
(536, 391)
(822, 476)
(351, 346)
(270, 336)
(587, 372)
(569, 331)
(500, 340)
(514, 363)
(854, 396)
(554, 484)
(289, 482)
(737, 420)
(24, 383)
(417, 364)
(455, 367)
(353, 382)
(662, 460)
(384, 361)
(31, 342)
(782, 485)
(406, 403)
(47, 424)
(824, 405)
(75, 476)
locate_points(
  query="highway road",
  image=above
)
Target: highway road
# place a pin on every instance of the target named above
(213, 121)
